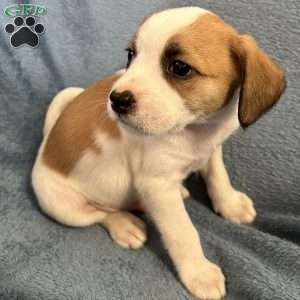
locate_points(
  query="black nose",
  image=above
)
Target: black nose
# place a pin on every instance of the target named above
(122, 103)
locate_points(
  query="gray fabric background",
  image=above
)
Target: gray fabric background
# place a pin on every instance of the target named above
(84, 40)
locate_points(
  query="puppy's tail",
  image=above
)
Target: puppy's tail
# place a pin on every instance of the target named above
(58, 104)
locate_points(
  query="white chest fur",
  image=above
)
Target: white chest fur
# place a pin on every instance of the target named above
(108, 178)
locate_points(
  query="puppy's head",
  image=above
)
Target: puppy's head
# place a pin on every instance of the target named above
(184, 65)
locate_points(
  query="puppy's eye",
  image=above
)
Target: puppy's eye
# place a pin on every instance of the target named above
(180, 69)
(130, 56)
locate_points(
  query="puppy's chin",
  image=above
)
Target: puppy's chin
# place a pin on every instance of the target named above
(149, 125)
(133, 126)
(127, 126)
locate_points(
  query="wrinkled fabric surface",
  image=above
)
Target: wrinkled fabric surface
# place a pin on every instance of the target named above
(84, 40)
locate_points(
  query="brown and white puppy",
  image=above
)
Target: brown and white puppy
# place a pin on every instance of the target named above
(130, 139)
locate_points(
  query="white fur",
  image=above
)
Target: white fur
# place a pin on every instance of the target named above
(149, 168)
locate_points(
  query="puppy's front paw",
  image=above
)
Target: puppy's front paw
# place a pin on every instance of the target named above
(236, 207)
(205, 281)
(126, 230)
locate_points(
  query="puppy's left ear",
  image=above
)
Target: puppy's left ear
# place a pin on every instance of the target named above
(262, 82)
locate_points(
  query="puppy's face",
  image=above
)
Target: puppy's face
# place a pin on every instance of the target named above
(184, 64)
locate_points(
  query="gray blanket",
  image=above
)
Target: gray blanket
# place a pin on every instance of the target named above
(84, 40)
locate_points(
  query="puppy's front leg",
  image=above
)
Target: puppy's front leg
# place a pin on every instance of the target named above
(231, 204)
(163, 201)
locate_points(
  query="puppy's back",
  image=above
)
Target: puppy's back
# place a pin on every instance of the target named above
(74, 129)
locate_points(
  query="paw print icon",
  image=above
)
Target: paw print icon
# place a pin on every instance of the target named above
(24, 32)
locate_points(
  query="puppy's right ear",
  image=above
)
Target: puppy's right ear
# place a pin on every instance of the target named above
(262, 83)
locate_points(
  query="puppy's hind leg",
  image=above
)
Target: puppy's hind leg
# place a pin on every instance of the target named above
(63, 203)
(60, 201)
(58, 104)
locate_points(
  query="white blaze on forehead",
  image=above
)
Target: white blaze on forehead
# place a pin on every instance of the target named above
(160, 27)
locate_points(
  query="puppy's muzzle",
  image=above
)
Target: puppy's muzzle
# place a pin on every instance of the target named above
(122, 103)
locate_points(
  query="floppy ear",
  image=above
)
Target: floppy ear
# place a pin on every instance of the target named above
(262, 83)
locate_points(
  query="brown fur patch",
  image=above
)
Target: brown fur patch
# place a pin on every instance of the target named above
(74, 130)
(205, 45)
(224, 60)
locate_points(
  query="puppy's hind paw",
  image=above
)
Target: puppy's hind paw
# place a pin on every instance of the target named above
(126, 230)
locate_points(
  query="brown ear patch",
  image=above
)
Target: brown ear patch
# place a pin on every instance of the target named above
(263, 80)
(74, 130)
(224, 60)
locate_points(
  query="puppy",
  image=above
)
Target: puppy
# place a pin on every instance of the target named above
(130, 139)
